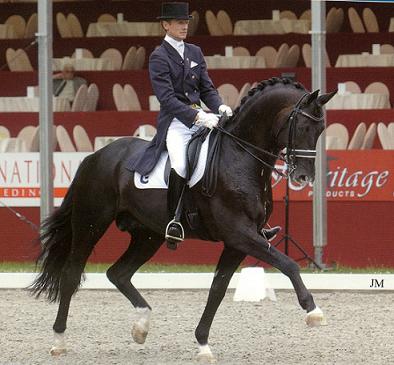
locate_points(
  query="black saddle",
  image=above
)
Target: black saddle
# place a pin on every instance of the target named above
(193, 149)
(209, 180)
(191, 216)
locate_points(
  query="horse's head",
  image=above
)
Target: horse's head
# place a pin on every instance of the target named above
(300, 135)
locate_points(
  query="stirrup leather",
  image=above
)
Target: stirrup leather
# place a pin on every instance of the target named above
(173, 238)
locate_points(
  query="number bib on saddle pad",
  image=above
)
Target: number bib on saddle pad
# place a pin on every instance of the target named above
(157, 178)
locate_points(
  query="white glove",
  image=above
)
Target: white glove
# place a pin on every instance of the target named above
(225, 109)
(207, 119)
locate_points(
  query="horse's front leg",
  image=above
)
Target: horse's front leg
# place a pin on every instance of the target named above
(255, 245)
(228, 263)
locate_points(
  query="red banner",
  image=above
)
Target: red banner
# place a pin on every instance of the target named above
(352, 175)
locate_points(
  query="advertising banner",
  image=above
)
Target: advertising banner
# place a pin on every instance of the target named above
(351, 176)
(20, 177)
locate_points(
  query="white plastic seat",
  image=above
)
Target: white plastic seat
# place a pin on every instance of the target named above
(358, 137)
(269, 54)
(4, 132)
(213, 25)
(81, 139)
(384, 137)
(119, 99)
(131, 98)
(224, 22)
(114, 56)
(92, 98)
(339, 131)
(352, 87)
(229, 94)
(130, 59)
(64, 140)
(369, 138)
(12, 145)
(27, 134)
(74, 25)
(80, 99)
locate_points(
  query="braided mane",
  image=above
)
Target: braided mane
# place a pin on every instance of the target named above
(263, 84)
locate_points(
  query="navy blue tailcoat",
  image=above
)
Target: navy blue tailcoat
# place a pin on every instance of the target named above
(177, 83)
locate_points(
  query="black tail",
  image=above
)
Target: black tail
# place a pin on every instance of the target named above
(56, 238)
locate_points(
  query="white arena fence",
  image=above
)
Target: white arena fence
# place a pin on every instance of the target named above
(187, 281)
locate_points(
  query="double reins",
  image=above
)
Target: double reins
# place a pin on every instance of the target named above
(291, 152)
(245, 144)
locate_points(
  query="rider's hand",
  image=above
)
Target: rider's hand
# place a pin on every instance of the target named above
(207, 119)
(225, 109)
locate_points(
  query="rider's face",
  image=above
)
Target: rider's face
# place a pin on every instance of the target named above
(177, 29)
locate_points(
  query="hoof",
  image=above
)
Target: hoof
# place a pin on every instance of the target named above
(59, 347)
(205, 355)
(139, 334)
(141, 326)
(316, 318)
(57, 351)
(206, 359)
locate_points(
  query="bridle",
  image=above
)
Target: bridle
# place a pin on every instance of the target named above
(289, 158)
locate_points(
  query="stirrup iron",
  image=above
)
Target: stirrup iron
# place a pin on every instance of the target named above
(174, 238)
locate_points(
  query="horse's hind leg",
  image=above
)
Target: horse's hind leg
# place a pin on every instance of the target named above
(86, 233)
(228, 263)
(143, 246)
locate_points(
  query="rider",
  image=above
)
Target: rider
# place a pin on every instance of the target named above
(179, 78)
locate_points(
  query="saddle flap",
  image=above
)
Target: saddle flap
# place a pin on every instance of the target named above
(193, 150)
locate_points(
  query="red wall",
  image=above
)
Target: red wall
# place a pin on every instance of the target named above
(359, 235)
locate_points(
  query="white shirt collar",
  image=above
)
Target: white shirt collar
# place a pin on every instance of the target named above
(178, 45)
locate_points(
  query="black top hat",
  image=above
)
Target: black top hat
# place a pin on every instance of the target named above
(178, 11)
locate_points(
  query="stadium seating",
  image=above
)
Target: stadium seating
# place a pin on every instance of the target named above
(81, 139)
(358, 137)
(129, 55)
(369, 138)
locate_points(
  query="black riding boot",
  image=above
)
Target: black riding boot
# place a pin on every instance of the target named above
(174, 230)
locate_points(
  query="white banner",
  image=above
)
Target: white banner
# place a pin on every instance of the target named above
(20, 177)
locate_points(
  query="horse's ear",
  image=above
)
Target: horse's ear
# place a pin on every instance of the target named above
(312, 97)
(325, 98)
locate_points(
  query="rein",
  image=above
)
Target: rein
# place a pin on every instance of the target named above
(291, 152)
(244, 144)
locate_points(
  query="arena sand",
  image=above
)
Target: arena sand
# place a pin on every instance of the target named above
(360, 330)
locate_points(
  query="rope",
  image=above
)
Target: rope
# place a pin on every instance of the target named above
(21, 217)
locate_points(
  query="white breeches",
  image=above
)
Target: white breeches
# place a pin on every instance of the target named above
(178, 136)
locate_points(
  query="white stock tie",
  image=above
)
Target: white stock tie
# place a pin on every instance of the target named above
(181, 49)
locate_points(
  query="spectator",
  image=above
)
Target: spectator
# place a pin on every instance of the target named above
(66, 84)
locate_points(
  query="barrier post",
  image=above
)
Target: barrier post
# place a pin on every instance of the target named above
(319, 82)
(46, 107)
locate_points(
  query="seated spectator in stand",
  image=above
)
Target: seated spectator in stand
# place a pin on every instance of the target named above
(66, 84)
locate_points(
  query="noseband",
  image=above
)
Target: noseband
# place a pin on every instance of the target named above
(291, 152)
(289, 158)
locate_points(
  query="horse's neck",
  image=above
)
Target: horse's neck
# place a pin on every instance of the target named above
(255, 122)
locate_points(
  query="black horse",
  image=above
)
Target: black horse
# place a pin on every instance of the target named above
(276, 114)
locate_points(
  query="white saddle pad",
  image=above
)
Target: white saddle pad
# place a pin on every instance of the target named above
(155, 180)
